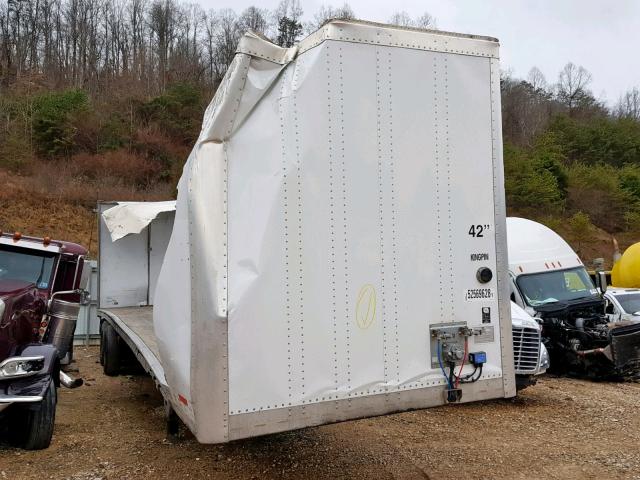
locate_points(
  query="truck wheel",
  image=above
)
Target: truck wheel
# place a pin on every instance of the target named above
(110, 346)
(33, 429)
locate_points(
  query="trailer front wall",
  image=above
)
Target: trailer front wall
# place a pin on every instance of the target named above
(324, 223)
(353, 187)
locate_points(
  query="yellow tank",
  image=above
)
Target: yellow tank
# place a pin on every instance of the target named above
(626, 271)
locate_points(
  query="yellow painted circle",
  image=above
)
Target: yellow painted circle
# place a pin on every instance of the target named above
(366, 307)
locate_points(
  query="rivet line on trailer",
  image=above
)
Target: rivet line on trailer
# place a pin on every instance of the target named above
(344, 219)
(394, 240)
(285, 229)
(299, 165)
(436, 113)
(332, 220)
(381, 214)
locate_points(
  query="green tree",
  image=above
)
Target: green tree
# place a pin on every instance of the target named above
(177, 112)
(581, 228)
(548, 155)
(53, 128)
(531, 183)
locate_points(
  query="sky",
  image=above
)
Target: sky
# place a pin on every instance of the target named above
(603, 36)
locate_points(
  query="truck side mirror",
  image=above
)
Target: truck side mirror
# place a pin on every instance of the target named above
(85, 275)
(601, 281)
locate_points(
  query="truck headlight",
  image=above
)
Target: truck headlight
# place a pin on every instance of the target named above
(544, 362)
(2, 305)
(15, 367)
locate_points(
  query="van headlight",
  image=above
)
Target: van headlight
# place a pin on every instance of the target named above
(544, 362)
(16, 367)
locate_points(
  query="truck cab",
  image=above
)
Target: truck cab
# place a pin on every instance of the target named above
(550, 282)
(41, 291)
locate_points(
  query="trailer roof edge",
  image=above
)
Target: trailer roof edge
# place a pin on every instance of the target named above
(360, 31)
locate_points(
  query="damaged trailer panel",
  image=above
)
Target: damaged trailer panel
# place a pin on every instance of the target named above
(339, 246)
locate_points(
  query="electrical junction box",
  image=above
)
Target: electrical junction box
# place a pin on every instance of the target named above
(477, 358)
(451, 338)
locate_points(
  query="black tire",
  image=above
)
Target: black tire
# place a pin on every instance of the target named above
(111, 351)
(102, 324)
(31, 428)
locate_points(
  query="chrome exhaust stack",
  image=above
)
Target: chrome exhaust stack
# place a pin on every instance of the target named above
(61, 325)
(68, 381)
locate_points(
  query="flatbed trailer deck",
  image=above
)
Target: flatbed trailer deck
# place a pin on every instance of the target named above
(134, 326)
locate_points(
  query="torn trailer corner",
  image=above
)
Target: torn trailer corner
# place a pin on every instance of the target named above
(338, 246)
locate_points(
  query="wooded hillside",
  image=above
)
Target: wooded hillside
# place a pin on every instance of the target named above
(103, 99)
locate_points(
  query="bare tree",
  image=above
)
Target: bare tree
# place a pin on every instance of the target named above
(162, 17)
(572, 87)
(628, 105)
(403, 19)
(226, 37)
(537, 80)
(526, 107)
(255, 19)
(210, 28)
(137, 27)
(326, 13)
(426, 20)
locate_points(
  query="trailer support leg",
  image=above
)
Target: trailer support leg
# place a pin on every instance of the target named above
(173, 423)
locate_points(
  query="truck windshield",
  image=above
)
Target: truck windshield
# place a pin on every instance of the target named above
(556, 286)
(27, 265)
(630, 302)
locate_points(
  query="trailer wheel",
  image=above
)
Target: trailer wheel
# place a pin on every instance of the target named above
(110, 350)
(101, 343)
(31, 428)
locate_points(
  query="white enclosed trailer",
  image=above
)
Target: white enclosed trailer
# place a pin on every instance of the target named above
(338, 247)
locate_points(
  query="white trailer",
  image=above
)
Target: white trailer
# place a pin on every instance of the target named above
(338, 248)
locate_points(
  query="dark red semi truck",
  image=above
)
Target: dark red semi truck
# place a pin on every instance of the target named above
(41, 289)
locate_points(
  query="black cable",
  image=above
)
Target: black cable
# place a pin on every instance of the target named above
(472, 380)
(469, 375)
(452, 375)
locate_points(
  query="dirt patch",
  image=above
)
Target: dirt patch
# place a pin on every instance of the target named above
(113, 428)
(61, 206)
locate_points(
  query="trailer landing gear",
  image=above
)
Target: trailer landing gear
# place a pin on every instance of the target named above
(173, 423)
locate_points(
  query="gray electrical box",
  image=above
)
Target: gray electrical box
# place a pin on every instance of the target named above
(451, 338)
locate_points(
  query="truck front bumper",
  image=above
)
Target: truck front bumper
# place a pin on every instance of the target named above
(6, 400)
(29, 388)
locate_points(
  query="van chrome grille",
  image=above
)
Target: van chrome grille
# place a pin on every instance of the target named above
(526, 349)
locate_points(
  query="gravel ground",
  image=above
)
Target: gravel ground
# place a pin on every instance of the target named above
(112, 428)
